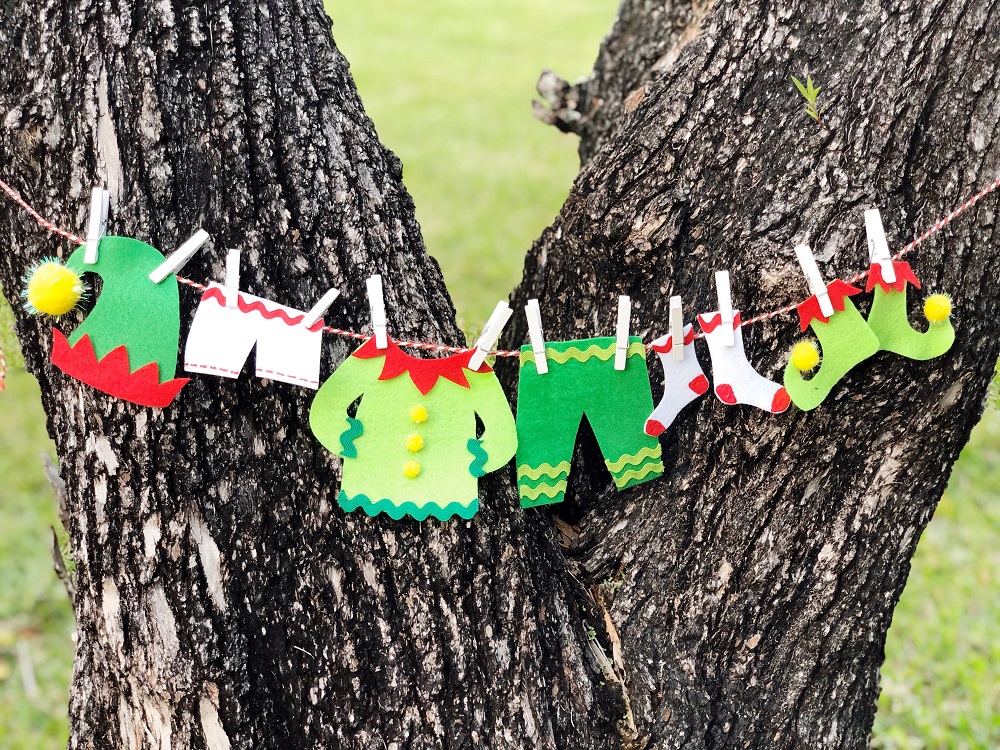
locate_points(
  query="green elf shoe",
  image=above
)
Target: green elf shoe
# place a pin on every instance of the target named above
(889, 321)
(845, 338)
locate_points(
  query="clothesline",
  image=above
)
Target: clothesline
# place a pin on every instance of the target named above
(428, 346)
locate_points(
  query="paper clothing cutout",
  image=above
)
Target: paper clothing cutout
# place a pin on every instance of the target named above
(683, 381)
(221, 338)
(889, 321)
(736, 381)
(127, 345)
(582, 382)
(411, 448)
(844, 337)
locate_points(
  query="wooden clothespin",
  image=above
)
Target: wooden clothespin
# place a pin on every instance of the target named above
(176, 260)
(491, 332)
(319, 309)
(376, 301)
(878, 248)
(725, 294)
(100, 203)
(621, 342)
(534, 316)
(816, 284)
(231, 289)
(677, 328)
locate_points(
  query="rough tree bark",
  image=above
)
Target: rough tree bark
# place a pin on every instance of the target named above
(223, 601)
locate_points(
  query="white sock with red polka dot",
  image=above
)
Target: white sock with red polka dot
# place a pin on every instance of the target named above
(683, 381)
(736, 382)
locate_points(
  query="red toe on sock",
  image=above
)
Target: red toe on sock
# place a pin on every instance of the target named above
(780, 401)
(725, 393)
(654, 428)
(699, 385)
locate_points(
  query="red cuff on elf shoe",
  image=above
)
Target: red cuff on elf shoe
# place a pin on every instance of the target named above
(838, 291)
(904, 274)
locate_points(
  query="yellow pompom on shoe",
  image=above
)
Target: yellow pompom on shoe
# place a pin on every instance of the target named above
(51, 288)
(937, 308)
(805, 356)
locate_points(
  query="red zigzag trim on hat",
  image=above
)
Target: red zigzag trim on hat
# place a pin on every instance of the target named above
(111, 374)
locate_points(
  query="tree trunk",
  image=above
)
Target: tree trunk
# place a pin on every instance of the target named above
(223, 601)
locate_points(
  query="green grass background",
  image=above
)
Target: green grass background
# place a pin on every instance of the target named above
(448, 85)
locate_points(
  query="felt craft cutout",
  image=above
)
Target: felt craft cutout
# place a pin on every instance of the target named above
(221, 338)
(127, 345)
(683, 381)
(736, 381)
(889, 321)
(583, 382)
(845, 338)
(411, 448)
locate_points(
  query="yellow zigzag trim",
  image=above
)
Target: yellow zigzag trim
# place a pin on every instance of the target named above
(635, 458)
(532, 493)
(603, 353)
(628, 476)
(548, 470)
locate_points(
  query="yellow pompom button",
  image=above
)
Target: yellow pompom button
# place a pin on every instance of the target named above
(414, 443)
(411, 469)
(418, 414)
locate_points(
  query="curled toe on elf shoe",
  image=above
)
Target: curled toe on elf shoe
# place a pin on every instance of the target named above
(845, 340)
(889, 320)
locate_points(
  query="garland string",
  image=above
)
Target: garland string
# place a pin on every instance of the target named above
(931, 231)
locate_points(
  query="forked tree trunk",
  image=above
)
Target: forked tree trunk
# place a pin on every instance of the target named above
(223, 601)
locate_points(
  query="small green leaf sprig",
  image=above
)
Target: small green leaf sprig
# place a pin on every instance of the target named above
(810, 93)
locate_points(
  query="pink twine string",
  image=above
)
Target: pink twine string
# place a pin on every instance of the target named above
(42, 221)
(426, 346)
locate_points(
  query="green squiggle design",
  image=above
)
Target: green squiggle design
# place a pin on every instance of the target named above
(603, 353)
(479, 457)
(631, 477)
(533, 493)
(525, 482)
(527, 472)
(398, 510)
(355, 429)
(635, 458)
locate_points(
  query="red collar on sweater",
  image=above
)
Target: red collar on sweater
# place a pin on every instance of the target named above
(423, 372)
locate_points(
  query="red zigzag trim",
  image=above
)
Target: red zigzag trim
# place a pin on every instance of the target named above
(220, 296)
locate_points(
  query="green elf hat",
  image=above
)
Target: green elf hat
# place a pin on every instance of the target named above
(127, 346)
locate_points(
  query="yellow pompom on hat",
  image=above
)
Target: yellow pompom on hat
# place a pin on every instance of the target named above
(50, 288)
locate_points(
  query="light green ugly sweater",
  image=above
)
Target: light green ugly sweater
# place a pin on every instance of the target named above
(412, 447)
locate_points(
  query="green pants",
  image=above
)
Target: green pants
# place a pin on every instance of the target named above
(582, 382)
